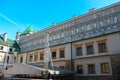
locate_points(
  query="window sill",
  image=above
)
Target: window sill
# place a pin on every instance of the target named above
(105, 73)
(92, 55)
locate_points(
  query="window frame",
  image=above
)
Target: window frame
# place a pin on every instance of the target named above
(41, 56)
(78, 72)
(30, 58)
(54, 56)
(79, 53)
(62, 55)
(89, 71)
(87, 51)
(102, 42)
(35, 56)
(104, 67)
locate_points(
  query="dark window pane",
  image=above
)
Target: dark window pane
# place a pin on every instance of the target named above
(41, 56)
(30, 58)
(21, 59)
(79, 51)
(102, 47)
(90, 49)
(80, 69)
(91, 68)
(62, 54)
(53, 55)
(36, 57)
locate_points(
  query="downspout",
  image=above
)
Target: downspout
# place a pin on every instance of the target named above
(71, 58)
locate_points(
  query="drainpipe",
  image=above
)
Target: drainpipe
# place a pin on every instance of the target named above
(71, 58)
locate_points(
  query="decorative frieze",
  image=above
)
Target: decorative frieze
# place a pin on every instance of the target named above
(92, 24)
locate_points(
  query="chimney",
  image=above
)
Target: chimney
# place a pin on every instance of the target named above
(4, 36)
(18, 35)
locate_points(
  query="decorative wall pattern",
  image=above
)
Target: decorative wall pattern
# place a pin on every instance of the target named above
(94, 23)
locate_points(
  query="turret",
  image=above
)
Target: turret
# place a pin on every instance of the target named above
(29, 30)
(18, 34)
(4, 36)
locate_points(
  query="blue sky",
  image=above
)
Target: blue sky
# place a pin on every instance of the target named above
(19, 14)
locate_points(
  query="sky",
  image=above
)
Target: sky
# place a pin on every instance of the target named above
(17, 15)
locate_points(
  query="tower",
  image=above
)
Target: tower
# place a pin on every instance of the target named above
(29, 30)
(18, 34)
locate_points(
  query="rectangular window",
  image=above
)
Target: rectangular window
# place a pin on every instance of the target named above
(61, 67)
(79, 51)
(80, 69)
(30, 58)
(102, 47)
(53, 55)
(36, 57)
(21, 59)
(105, 68)
(62, 53)
(41, 56)
(89, 49)
(1, 47)
(91, 68)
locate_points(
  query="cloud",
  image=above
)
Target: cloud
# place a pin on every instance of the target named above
(9, 20)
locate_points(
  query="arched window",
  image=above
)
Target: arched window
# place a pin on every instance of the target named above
(10, 49)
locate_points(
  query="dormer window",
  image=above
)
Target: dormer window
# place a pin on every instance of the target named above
(1, 47)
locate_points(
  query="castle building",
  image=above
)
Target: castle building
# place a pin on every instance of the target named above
(8, 52)
(88, 44)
